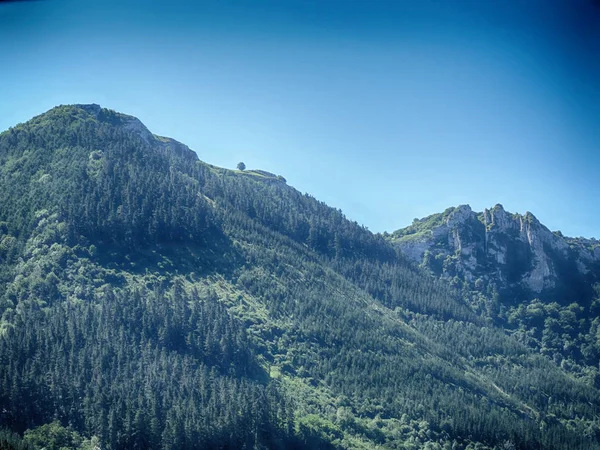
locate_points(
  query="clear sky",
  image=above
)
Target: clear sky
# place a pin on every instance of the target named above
(388, 110)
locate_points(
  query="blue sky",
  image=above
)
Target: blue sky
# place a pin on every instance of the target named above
(388, 110)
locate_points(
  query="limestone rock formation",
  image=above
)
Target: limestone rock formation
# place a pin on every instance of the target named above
(515, 253)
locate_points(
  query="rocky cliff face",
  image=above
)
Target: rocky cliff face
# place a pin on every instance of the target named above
(514, 253)
(135, 126)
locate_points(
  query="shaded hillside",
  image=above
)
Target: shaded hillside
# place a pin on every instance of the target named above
(188, 306)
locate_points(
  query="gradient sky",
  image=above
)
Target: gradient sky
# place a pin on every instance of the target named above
(388, 110)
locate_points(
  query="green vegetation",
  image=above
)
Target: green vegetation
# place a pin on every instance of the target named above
(150, 300)
(422, 227)
(559, 322)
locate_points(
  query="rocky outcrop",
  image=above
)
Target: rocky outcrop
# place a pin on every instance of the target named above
(515, 253)
(135, 126)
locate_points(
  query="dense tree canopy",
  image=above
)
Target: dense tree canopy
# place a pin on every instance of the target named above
(150, 300)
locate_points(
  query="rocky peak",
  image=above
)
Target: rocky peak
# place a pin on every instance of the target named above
(498, 217)
(516, 253)
(135, 125)
(460, 215)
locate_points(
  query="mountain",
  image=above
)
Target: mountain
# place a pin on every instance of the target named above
(514, 252)
(151, 300)
(540, 285)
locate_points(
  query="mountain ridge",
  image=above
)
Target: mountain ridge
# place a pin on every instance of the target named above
(476, 239)
(184, 271)
(512, 268)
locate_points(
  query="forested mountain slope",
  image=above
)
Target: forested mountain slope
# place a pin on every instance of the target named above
(539, 285)
(151, 300)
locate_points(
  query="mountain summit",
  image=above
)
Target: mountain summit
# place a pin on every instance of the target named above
(515, 252)
(539, 285)
(151, 300)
